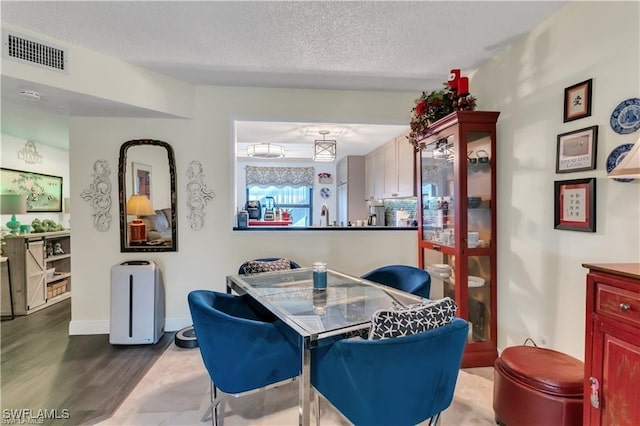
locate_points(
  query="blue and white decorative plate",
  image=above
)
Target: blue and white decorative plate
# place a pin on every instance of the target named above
(616, 156)
(625, 118)
(325, 192)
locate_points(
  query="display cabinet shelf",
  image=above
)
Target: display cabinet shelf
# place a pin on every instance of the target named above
(457, 226)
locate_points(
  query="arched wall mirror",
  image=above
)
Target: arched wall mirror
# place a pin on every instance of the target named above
(147, 185)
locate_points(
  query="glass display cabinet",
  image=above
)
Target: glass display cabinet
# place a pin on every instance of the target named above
(457, 222)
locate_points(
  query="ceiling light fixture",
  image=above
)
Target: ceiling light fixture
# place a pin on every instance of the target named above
(265, 150)
(324, 150)
(30, 95)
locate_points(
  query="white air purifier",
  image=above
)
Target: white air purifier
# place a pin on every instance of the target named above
(137, 303)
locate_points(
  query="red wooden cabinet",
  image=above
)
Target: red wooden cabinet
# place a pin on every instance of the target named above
(456, 177)
(612, 345)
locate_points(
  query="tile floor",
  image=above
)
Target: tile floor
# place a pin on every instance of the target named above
(175, 391)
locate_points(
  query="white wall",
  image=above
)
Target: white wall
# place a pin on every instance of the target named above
(540, 277)
(205, 257)
(54, 162)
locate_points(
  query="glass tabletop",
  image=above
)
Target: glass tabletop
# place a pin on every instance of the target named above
(347, 304)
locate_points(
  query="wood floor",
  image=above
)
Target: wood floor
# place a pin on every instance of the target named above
(44, 368)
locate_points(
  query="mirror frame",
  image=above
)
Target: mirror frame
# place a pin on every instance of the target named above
(122, 169)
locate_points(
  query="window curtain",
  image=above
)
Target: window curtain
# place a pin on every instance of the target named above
(280, 176)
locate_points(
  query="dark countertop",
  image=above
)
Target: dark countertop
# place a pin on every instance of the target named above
(328, 228)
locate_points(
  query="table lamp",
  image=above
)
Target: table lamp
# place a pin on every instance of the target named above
(138, 205)
(13, 204)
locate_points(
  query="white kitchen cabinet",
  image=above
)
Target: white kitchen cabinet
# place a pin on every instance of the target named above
(390, 170)
(377, 171)
(369, 182)
(405, 165)
(398, 170)
(351, 190)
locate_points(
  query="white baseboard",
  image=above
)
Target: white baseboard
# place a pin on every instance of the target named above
(79, 328)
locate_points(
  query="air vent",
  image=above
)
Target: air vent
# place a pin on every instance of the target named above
(34, 52)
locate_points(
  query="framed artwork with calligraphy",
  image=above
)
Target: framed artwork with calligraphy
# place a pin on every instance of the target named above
(575, 205)
(577, 101)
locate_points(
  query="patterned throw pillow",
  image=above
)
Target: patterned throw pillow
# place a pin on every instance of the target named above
(257, 266)
(387, 323)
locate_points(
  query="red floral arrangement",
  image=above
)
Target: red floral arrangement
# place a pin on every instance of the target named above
(432, 106)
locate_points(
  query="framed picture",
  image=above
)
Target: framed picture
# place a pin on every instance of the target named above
(575, 205)
(577, 101)
(43, 192)
(577, 150)
(141, 179)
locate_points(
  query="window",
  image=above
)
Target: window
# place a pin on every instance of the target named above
(298, 200)
(287, 187)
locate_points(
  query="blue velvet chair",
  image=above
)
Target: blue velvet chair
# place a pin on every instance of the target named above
(403, 277)
(242, 350)
(396, 381)
(292, 264)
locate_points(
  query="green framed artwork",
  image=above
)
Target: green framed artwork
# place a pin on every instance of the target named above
(43, 192)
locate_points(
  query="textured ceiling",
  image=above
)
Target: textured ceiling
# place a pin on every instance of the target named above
(357, 45)
(361, 45)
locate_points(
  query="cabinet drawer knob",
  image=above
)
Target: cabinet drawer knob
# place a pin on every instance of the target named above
(624, 307)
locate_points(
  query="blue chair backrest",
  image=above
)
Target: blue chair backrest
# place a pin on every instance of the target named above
(403, 277)
(397, 381)
(293, 264)
(241, 351)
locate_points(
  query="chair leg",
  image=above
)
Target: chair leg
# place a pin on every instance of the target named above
(434, 420)
(212, 411)
(317, 404)
(222, 408)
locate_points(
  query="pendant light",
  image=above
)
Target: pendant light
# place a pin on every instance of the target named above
(324, 150)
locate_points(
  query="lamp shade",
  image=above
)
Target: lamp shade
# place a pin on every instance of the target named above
(139, 205)
(629, 166)
(67, 205)
(13, 204)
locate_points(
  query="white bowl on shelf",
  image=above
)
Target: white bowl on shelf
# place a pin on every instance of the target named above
(440, 267)
(475, 281)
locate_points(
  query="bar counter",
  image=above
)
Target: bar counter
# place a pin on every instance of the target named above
(328, 228)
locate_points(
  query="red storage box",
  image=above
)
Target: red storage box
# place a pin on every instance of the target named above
(537, 386)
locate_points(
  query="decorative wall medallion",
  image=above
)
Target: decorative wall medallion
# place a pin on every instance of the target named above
(99, 195)
(198, 195)
(29, 154)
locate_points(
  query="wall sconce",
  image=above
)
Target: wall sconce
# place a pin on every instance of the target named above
(13, 204)
(324, 150)
(138, 205)
(265, 150)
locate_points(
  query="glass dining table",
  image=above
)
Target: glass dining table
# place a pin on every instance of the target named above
(316, 317)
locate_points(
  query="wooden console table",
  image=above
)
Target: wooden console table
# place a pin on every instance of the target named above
(612, 345)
